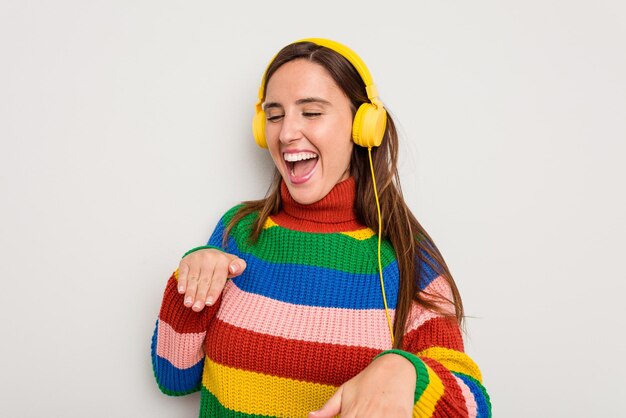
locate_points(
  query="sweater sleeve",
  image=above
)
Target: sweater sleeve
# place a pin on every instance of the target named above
(178, 341)
(449, 383)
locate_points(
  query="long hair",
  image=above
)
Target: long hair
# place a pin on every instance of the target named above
(409, 240)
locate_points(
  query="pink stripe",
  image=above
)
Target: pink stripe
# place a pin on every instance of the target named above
(470, 402)
(182, 350)
(418, 315)
(351, 327)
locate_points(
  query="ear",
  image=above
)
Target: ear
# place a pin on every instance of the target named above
(370, 121)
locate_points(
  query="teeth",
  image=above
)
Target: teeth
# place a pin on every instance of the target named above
(300, 156)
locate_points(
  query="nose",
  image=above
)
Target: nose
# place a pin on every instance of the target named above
(290, 129)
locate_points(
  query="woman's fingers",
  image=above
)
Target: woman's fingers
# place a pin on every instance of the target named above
(331, 408)
(191, 286)
(183, 270)
(236, 267)
(202, 276)
(220, 274)
(204, 282)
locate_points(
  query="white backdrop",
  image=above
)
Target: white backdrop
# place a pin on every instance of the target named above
(125, 133)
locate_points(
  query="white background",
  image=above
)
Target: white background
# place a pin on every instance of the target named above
(125, 134)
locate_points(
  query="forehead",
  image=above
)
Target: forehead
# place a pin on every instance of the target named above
(301, 78)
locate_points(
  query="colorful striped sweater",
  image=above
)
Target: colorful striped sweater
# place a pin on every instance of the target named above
(305, 316)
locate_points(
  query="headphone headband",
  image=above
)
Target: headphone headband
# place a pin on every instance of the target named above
(353, 58)
(344, 51)
(370, 119)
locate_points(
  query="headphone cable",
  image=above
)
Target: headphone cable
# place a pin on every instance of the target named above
(380, 265)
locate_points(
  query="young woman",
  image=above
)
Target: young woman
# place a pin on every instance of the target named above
(295, 306)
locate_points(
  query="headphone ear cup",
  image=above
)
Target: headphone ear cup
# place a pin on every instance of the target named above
(258, 128)
(368, 128)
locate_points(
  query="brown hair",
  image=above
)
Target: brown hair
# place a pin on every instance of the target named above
(409, 240)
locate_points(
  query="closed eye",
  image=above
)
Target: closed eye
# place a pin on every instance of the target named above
(311, 114)
(275, 118)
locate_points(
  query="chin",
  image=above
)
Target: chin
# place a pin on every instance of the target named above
(304, 197)
(307, 193)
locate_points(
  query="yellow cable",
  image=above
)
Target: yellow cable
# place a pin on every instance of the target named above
(380, 264)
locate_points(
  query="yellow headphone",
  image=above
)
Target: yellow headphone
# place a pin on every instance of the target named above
(368, 130)
(368, 127)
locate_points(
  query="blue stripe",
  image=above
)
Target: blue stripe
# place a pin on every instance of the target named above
(311, 285)
(172, 380)
(216, 236)
(427, 273)
(482, 403)
(316, 286)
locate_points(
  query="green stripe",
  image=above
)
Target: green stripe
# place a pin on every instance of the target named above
(232, 211)
(285, 246)
(175, 393)
(210, 407)
(202, 247)
(422, 379)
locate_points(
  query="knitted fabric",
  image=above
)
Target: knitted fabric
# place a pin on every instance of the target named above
(305, 316)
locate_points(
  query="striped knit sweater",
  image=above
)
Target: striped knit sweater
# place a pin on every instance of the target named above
(305, 316)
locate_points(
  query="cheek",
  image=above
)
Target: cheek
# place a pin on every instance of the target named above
(339, 156)
(271, 135)
(347, 145)
(338, 151)
(274, 151)
(276, 157)
(347, 156)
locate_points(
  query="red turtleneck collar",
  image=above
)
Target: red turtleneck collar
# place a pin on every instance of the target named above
(333, 213)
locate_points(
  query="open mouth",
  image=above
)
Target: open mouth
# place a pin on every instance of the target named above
(300, 165)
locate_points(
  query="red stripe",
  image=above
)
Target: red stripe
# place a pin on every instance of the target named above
(300, 360)
(452, 403)
(181, 318)
(436, 332)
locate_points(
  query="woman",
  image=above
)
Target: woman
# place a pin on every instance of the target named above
(288, 309)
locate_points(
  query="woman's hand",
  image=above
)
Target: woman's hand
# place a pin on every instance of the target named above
(202, 276)
(385, 388)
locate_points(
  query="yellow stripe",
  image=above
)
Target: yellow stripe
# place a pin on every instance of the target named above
(425, 406)
(453, 360)
(256, 393)
(269, 223)
(361, 234)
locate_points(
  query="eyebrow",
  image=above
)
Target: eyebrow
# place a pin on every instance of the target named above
(305, 100)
